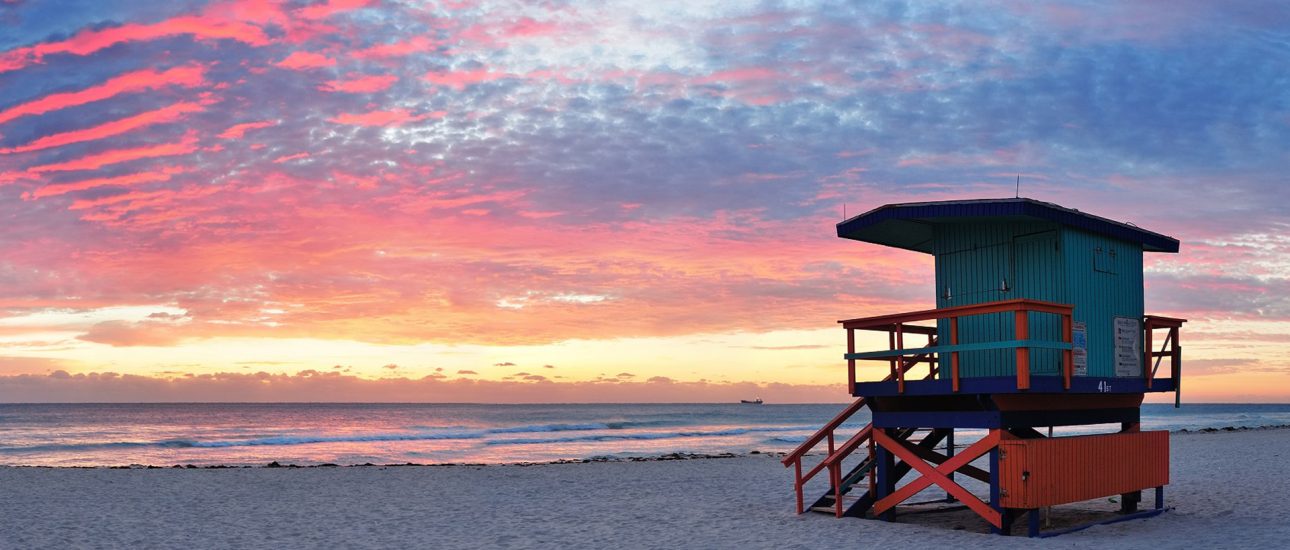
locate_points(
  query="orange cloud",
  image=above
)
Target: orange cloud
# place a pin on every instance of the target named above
(166, 114)
(117, 156)
(362, 85)
(301, 60)
(236, 131)
(187, 76)
(393, 117)
(89, 41)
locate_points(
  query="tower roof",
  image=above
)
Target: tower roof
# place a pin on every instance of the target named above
(909, 225)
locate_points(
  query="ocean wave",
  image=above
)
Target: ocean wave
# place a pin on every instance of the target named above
(606, 431)
(308, 439)
(550, 428)
(644, 436)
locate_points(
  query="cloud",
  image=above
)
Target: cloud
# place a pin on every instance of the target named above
(236, 131)
(27, 365)
(127, 334)
(117, 156)
(394, 117)
(505, 364)
(300, 61)
(92, 40)
(135, 81)
(163, 174)
(366, 84)
(610, 170)
(170, 113)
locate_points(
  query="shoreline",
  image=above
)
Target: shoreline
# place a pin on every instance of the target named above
(744, 501)
(673, 456)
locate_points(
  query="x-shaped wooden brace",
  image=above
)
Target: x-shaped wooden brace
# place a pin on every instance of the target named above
(938, 475)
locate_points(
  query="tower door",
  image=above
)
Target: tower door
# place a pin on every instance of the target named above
(1038, 274)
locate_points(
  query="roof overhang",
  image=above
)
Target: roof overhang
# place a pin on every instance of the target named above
(910, 225)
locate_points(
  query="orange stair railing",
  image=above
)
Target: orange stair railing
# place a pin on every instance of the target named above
(835, 454)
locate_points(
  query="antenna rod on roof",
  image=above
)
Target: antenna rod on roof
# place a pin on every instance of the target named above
(844, 210)
(1018, 194)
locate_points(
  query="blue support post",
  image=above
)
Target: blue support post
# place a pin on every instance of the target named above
(1160, 497)
(886, 469)
(949, 453)
(994, 488)
(1034, 523)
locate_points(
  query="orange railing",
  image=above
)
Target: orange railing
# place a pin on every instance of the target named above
(896, 327)
(1169, 348)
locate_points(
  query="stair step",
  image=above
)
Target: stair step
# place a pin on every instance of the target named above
(845, 498)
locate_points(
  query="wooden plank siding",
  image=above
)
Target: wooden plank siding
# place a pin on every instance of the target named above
(1105, 278)
(1100, 276)
(978, 263)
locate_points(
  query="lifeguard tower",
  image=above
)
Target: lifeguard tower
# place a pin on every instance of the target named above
(1039, 322)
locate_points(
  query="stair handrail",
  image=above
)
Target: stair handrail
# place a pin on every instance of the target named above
(826, 432)
(834, 461)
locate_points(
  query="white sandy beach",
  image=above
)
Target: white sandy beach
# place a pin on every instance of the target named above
(1228, 491)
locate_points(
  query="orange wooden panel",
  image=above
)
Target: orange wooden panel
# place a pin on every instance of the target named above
(1044, 472)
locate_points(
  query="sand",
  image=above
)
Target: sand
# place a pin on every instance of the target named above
(1227, 492)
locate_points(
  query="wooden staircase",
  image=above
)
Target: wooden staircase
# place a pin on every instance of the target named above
(838, 500)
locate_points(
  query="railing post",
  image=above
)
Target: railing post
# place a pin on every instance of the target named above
(830, 443)
(797, 484)
(851, 363)
(954, 355)
(891, 346)
(900, 370)
(1147, 350)
(835, 477)
(1022, 324)
(1068, 356)
(873, 485)
(1176, 368)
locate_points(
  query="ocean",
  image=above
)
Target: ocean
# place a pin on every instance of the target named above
(341, 433)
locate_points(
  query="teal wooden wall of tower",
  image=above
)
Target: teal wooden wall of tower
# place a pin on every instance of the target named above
(987, 260)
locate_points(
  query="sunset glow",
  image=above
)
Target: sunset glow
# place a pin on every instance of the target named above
(596, 201)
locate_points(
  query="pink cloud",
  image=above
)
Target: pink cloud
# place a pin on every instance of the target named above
(163, 174)
(460, 79)
(302, 60)
(171, 113)
(416, 44)
(136, 81)
(117, 156)
(361, 85)
(236, 131)
(289, 158)
(92, 40)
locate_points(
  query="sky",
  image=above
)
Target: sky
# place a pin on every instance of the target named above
(353, 200)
